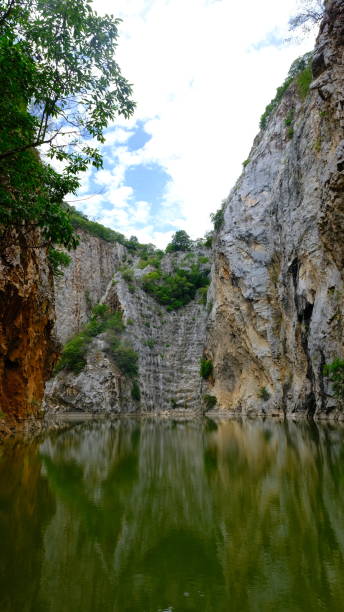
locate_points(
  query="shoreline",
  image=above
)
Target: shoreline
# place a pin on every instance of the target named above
(33, 427)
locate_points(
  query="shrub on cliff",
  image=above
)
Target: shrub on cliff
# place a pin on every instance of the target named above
(125, 358)
(181, 241)
(135, 391)
(301, 69)
(73, 357)
(263, 394)
(210, 401)
(80, 221)
(218, 218)
(303, 81)
(203, 293)
(177, 289)
(206, 368)
(335, 373)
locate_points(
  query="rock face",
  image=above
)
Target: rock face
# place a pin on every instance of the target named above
(84, 282)
(277, 286)
(277, 289)
(27, 346)
(169, 346)
(99, 387)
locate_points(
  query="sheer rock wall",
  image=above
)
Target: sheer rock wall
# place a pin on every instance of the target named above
(28, 349)
(169, 347)
(278, 261)
(84, 282)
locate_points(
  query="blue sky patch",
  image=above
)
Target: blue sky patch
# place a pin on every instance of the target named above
(139, 138)
(148, 183)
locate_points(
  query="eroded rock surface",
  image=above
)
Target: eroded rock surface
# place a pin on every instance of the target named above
(169, 346)
(278, 272)
(27, 346)
(84, 282)
(277, 278)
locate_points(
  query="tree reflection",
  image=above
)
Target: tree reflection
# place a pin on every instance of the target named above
(26, 506)
(177, 516)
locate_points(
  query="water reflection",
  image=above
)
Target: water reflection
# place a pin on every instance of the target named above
(174, 516)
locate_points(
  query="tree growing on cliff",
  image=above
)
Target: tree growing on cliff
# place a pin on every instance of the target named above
(60, 88)
(335, 374)
(310, 13)
(181, 241)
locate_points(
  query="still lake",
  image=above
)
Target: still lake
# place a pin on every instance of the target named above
(158, 515)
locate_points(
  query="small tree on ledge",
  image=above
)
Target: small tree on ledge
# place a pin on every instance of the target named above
(181, 241)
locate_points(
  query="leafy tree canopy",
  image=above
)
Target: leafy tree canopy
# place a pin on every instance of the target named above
(177, 289)
(60, 87)
(70, 77)
(181, 241)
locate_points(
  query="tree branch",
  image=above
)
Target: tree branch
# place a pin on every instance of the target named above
(32, 145)
(8, 12)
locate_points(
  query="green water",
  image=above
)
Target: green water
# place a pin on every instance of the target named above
(166, 516)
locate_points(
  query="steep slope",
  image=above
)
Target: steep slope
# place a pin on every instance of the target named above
(84, 282)
(278, 273)
(28, 349)
(169, 346)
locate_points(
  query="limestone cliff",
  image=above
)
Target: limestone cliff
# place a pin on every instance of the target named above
(278, 260)
(276, 295)
(84, 282)
(169, 344)
(27, 346)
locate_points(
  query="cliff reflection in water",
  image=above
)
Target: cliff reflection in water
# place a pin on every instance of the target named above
(155, 516)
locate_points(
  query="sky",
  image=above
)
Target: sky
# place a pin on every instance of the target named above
(202, 73)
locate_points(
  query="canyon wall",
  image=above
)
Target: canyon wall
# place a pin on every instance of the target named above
(169, 346)
(276, 296)
(277, 286)
(84, 282)
(28, 349)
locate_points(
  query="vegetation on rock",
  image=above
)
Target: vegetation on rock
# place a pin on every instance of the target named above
(303, 81)
(206, 368)
(335, 373)
(58, 260)
(80, 221)
(218, 218)
(181, 241)
(74, 354)
(210, 401)
(177, 289)
(300, 69)
(311, 12)
(208, 240)
(135, 391)
(153, 260)
(263, 394)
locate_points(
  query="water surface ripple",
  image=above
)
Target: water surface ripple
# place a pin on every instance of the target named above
(158, 516)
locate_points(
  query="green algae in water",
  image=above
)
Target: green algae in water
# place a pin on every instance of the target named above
(157, 516)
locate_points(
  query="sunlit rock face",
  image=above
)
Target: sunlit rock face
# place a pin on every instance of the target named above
(278, 272)
(169, 345)
(84, 282)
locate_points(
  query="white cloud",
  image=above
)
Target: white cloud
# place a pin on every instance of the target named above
(201, 82)
(117, 135)
(141, 212)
